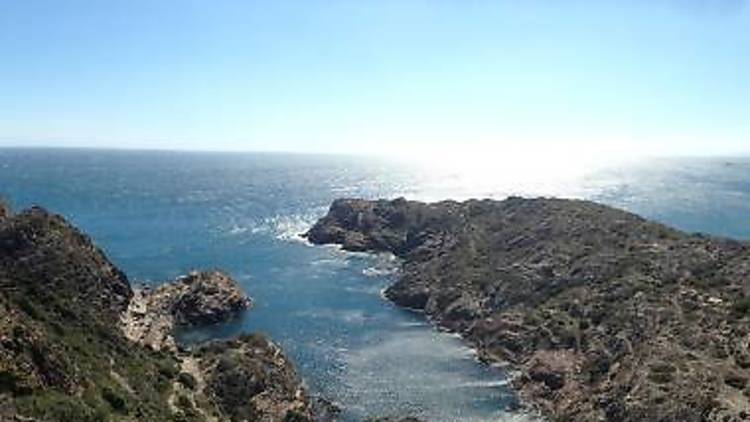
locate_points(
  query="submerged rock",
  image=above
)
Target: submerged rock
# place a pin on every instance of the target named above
(607, 316)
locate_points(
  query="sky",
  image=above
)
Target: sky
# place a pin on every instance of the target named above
(404, 77)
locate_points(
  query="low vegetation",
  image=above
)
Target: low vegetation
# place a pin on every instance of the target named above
(607, 316)
(64, 355)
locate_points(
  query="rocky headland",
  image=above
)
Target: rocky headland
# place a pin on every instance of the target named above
(604, 314)
(200, 298)
(77, 343)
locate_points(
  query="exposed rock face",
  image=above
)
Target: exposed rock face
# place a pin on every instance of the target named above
(59, 263)
(359, 225)
(607, 315)
(149, 321)
(252, 380)
(199, 298)
(206, 298)
(64, 356)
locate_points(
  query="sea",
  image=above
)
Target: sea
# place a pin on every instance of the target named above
(160, 214)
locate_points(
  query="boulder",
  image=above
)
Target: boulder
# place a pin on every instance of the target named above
(208, 297)
(200, 298)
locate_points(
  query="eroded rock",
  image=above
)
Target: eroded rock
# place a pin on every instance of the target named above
(251, 380)
(207, 298)
(68, 318)
(199, 298)
(589, 302)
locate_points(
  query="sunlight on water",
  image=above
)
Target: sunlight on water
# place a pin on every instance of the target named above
(520, 171)
(404, 357)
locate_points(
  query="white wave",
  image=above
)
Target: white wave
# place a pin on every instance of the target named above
(385, 264)
(413, 324)
(290, 227)
(281, 227)
(236, 229)
(378, 272)
(485, 384)
(239, 228)
(366, 289)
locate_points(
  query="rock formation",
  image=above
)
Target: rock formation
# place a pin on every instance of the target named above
(4, 210)
(606, 315)
(251, 379)
(200, 298)
(208, 297)
(68, 318)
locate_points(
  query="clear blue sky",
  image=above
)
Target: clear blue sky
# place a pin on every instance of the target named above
(376, 76)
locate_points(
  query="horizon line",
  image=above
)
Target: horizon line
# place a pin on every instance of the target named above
(365, 154)
(183, 150)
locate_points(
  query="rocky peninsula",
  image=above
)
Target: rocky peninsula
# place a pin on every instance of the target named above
(200, 298)
(78, 343)
(604, 314)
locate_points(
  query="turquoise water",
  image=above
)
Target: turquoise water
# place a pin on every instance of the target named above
(159, 215)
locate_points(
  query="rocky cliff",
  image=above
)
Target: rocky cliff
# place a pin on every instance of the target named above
(75, 339)
(606, 315)
(200, 298)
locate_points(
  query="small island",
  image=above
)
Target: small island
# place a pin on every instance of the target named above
(604, 314)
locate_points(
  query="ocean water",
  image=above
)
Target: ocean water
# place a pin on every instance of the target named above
(161, 214)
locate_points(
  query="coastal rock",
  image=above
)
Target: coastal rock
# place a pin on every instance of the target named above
(251, 380)
(207, 298)
(149, 321)
(62, 355)
(551, 368)
(199, 298)
(606, 315)
(59, 264)
(325, 410)
(68, 318)
(360, 225)
(4, 210)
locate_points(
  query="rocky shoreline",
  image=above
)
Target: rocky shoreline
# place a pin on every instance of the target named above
(606, 315)
(77, 343)
(200, 298)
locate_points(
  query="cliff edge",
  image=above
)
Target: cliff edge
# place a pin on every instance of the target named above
(607, 316)
(77, 343)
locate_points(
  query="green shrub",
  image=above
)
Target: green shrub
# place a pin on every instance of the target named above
(56, 406)
(661, 377)
(184, 402)
(29, 308)
(116, 401)
(741, 307)
(188, 380)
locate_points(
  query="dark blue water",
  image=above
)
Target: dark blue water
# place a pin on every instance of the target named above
(159, 215)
